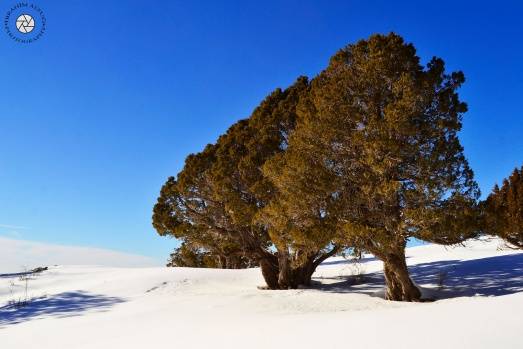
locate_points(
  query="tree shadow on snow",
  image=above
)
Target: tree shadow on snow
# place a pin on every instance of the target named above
(491, 276)
(65, 304)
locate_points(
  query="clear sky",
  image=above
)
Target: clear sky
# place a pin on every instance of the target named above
(98, 112)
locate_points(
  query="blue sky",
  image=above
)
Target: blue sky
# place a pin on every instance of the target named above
(97, 113)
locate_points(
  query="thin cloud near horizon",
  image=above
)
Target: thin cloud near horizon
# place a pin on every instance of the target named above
(8, 226)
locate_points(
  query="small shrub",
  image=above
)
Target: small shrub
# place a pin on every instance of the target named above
(441, 278)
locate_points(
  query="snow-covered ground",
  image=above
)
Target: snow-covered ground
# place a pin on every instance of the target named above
(479, 289)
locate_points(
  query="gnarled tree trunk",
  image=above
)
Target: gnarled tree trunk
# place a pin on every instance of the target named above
(303, 274)
(400, 286)
(291, 277)
(270, 270)
(285, 276)
(294, 276)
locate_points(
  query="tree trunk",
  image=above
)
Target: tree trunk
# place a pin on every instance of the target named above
(393, 287)
(295, 276)
(269, 270)
(303, 274)
(399, 284)
(222, 263)
(291, 277)
(285, 276)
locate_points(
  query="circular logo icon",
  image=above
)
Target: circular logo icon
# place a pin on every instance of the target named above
(25, 23)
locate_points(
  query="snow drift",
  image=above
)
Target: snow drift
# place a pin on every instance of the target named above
(478, 290)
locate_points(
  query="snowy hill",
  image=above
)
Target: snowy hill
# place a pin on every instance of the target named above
(478, 287)
(17, 255)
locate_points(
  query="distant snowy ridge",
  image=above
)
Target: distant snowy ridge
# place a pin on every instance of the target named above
(17, 255)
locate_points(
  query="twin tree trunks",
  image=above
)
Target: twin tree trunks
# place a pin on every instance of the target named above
(371, 142)
(279, 274)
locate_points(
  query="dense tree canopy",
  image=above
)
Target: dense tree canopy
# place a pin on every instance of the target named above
(366, 155)
(504, 209)
(375, 158)
(214, 201)
(188, 255)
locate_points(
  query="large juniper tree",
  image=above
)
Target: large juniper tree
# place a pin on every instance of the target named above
(215, 200)
(375, 154)
(504, 210)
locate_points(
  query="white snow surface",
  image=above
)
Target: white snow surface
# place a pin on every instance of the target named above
(478, 290)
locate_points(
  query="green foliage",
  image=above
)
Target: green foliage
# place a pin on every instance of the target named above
(504, 209)
(188, 255)
(364, 156)
(375, 158)
(214, 200)
(376, 153)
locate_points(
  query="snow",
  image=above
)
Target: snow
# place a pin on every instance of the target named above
(479, 305)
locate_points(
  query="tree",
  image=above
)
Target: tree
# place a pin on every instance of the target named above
(214, 201)
(375, 157)
(188, 210)
(188, 255)
(246, 191)
(504, 210)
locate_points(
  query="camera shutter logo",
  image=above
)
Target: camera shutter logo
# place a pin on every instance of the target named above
(25, 23)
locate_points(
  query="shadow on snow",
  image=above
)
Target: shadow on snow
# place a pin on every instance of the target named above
(492, 276)
(65, 304)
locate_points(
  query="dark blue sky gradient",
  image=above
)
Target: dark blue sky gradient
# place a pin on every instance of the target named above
(96, 114)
